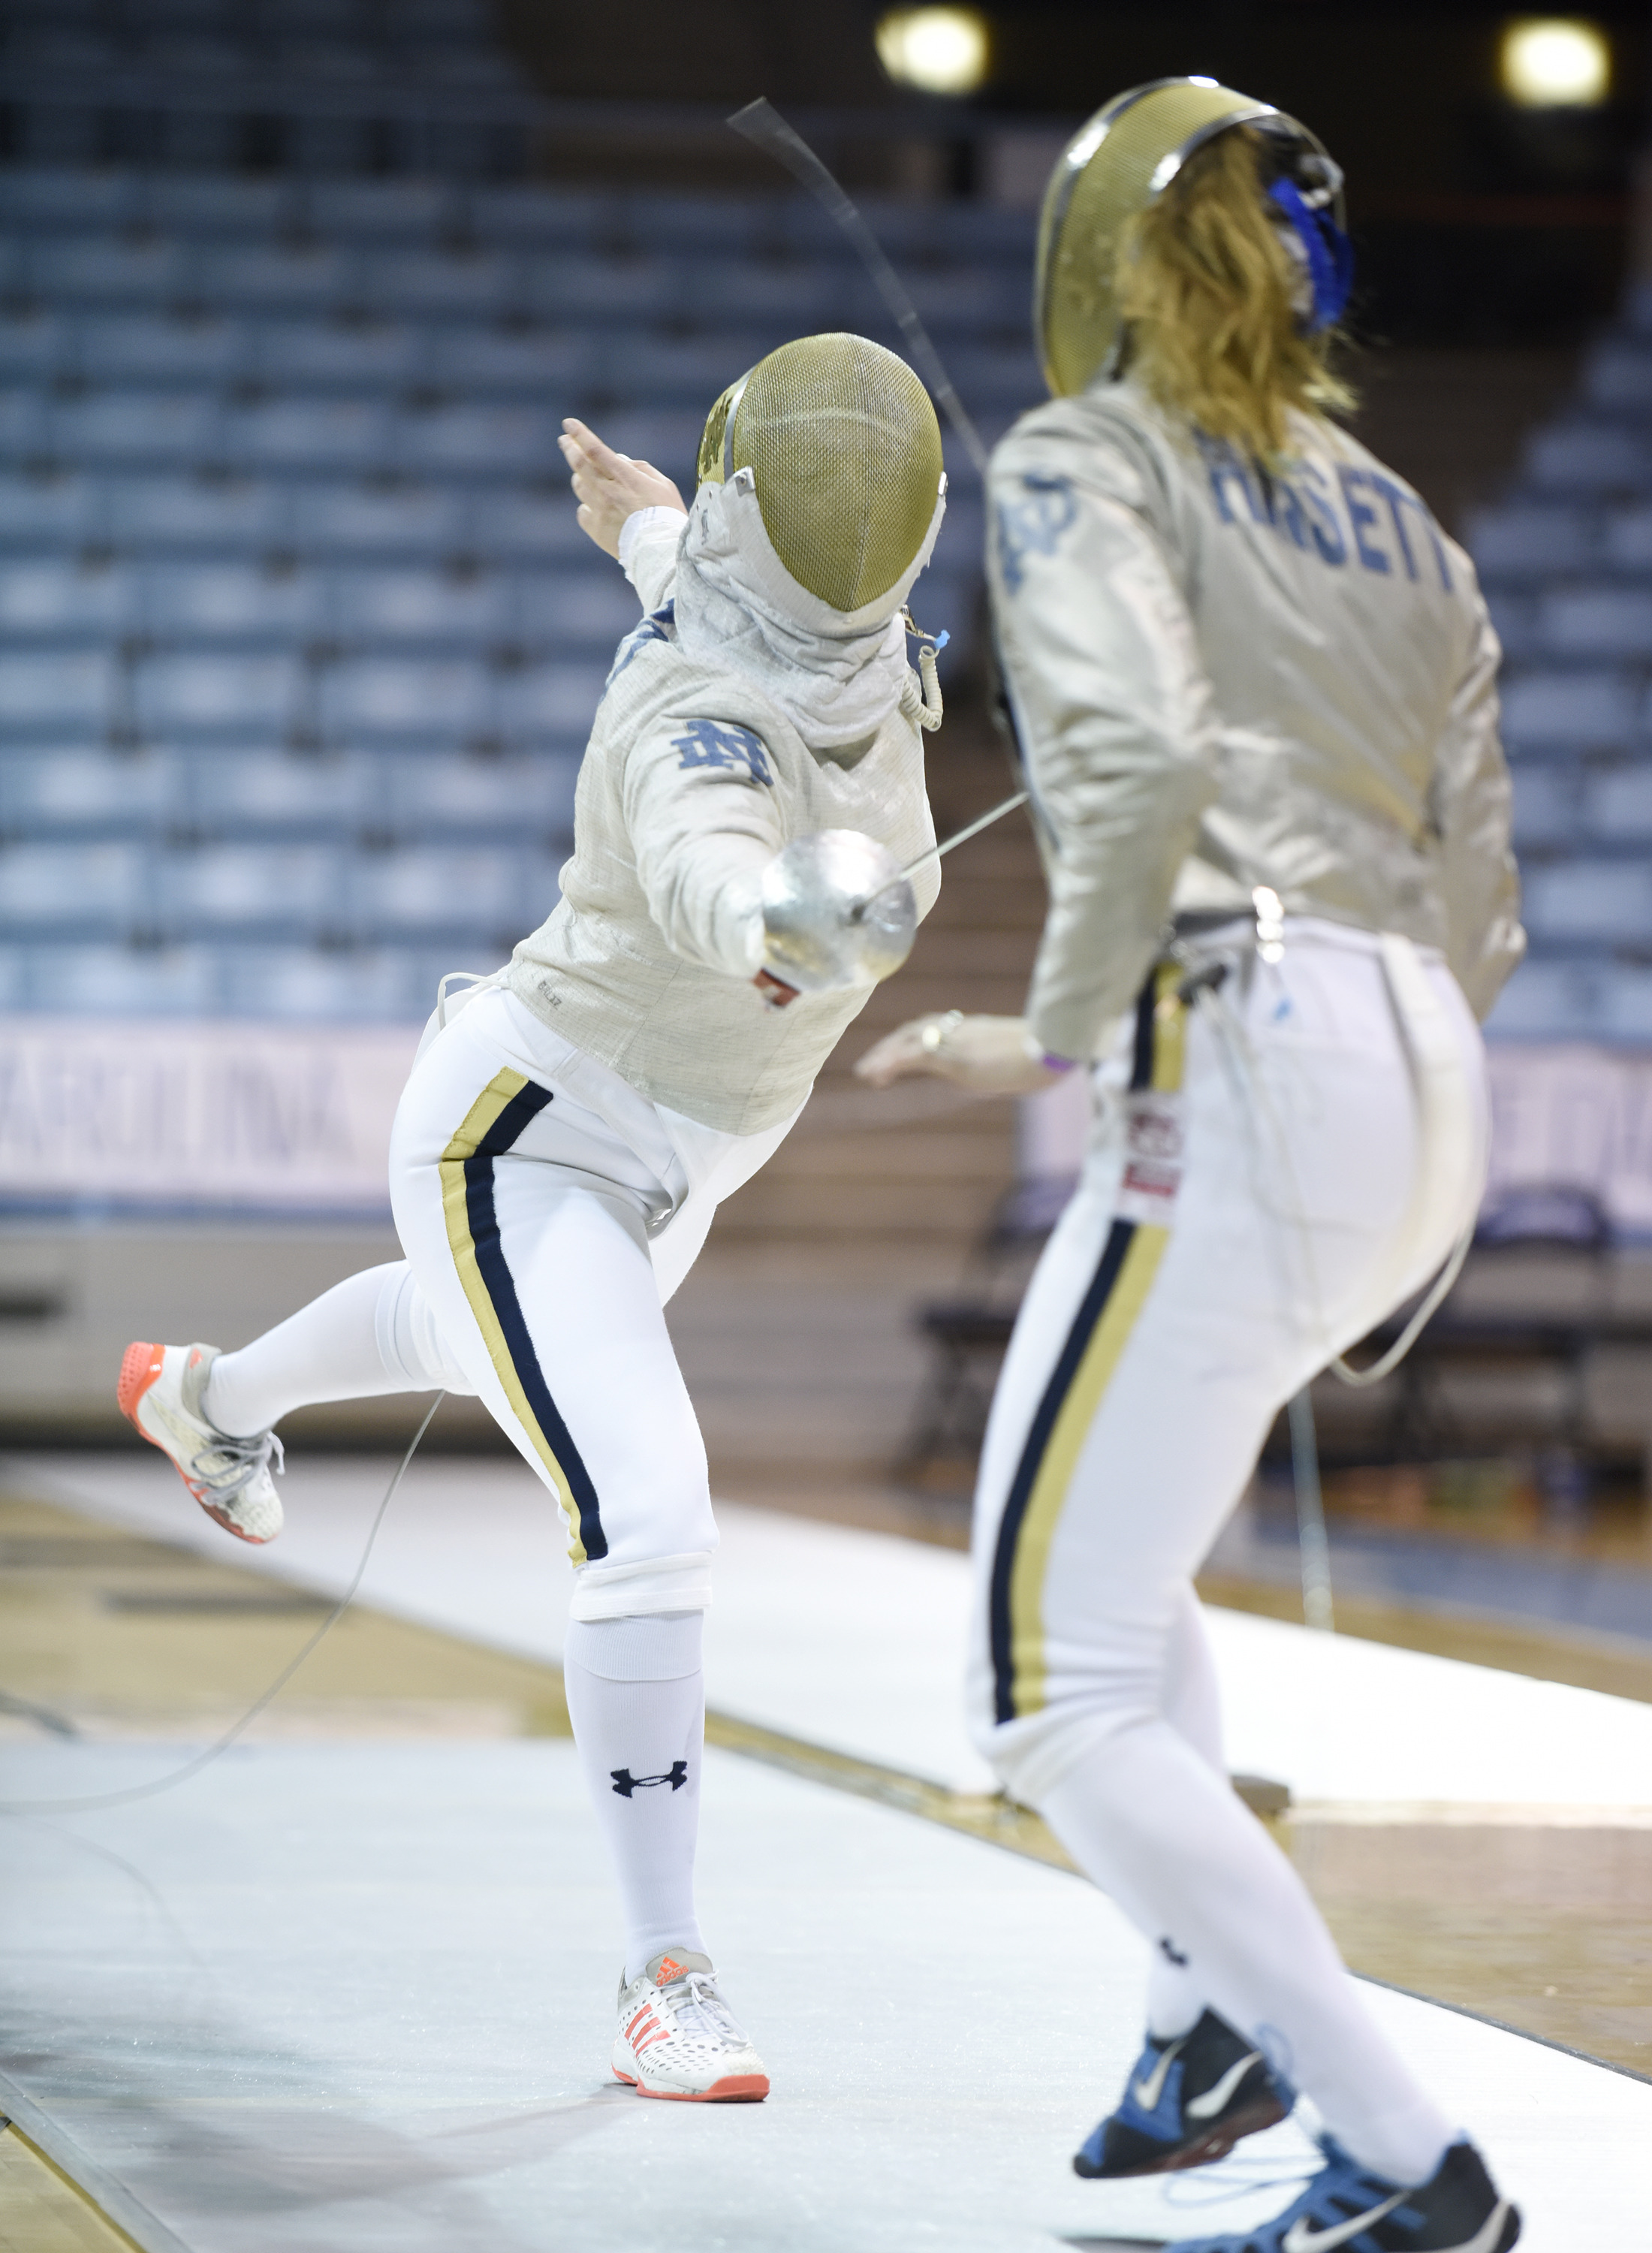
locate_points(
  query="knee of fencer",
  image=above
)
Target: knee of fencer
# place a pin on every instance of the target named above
(1032, 1754)
(639, 1647)
(410, 1342)
(646, 1589)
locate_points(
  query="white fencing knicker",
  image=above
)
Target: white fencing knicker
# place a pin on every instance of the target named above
(1276, 1164)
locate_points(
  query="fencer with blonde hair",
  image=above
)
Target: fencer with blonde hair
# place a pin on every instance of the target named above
(1253, 685)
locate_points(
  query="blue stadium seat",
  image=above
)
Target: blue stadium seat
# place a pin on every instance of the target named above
(410, 210)
(110, 270)
(422, 606)
(294, 433)
(472, 889)
(1530, 540)
(193, 204)
(506, 796)
(1519, 618)
(450, 285)
(1611, 622)
(571, 285)
(56, 693)
(34, 344)
(391, 520)
(1596, 710)
(554, 702)
(1623, 1005)
(240, 601)
(279, 792)
(306, 276)
(305, 982)
(39, 196)
(55, 508)
(1545, 807)
(405, 698)
(81, 887)
(1589, 457)
(529, 215)
(1617, 805)
(591, 604)
(215, 513)
(363, 354)
(123, 981)
(678, 371)
(1546, 1001)
(43, 793)
(1617, 375)
(488, 440)
(670, 440)
(227, 697)
(146, 346)
(24, 422)
(180, 428)
(544, 363)
(1627, 538)
(534, 524)
(793, 296)
(1608, 902)
(56, 599)
(262, 886)
(728, 227)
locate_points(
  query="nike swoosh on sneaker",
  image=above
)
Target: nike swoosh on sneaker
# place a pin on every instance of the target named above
(1302, 2237)
(1215, 2097)
(1148, 2093)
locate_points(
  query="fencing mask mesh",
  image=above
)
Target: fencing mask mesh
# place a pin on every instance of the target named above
(1124, 157)
(845, 450)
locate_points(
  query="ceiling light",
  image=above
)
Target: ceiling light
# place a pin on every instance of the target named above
(940, 50)
(1556, 62)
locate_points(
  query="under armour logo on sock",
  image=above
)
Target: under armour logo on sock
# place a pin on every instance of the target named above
(624, 1782)
(1172, 1954)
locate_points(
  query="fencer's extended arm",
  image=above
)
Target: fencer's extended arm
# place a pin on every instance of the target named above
(648, 545)
(1115, 717)
(703, 825)
(1472, 812)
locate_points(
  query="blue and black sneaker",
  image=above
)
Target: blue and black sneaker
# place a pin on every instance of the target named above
(1187, 2102)
(1457, 2210)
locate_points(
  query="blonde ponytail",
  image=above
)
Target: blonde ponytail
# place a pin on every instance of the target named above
(1206, 286)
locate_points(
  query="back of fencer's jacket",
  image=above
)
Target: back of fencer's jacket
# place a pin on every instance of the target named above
(693, 779)
(1222, 678)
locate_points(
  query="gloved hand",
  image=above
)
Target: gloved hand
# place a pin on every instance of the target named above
(988, 1055)
(837, 913)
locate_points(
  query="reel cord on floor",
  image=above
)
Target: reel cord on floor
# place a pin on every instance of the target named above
(205, 1759)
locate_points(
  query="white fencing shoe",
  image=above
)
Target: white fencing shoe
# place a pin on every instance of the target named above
(677, 2038)
(160, 1391)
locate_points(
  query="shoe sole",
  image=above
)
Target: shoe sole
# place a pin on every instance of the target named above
(140, 1367)
(1215, 2144)
(733, 2088)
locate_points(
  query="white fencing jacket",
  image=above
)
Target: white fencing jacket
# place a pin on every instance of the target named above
(692, 780)
(1221, 679)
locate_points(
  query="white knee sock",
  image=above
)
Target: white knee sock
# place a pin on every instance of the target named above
(636, 1697)
(370, 1333)
(1149, 1822)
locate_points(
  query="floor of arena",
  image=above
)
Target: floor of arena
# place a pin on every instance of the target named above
(351, 1986)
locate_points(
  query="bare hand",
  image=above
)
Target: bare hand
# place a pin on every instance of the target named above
(986, 1054)
(610, 486)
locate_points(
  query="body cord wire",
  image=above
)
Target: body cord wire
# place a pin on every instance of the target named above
(222, 1744)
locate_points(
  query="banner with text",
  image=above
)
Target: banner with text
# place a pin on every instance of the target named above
(214, 1117)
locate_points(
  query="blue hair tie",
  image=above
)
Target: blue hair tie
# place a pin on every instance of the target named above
(1329, 254)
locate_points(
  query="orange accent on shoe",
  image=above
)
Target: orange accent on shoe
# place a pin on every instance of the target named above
(668, 1970)
(140, 1366)
(733, 2088)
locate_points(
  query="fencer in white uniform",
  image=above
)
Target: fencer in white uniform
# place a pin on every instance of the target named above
(567, 1131)
(1253, 685)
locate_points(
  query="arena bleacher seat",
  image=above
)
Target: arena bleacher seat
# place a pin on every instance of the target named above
(302, 641)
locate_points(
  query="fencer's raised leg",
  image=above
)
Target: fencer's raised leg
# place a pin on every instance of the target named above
(370, 1333)
(212, 1414)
